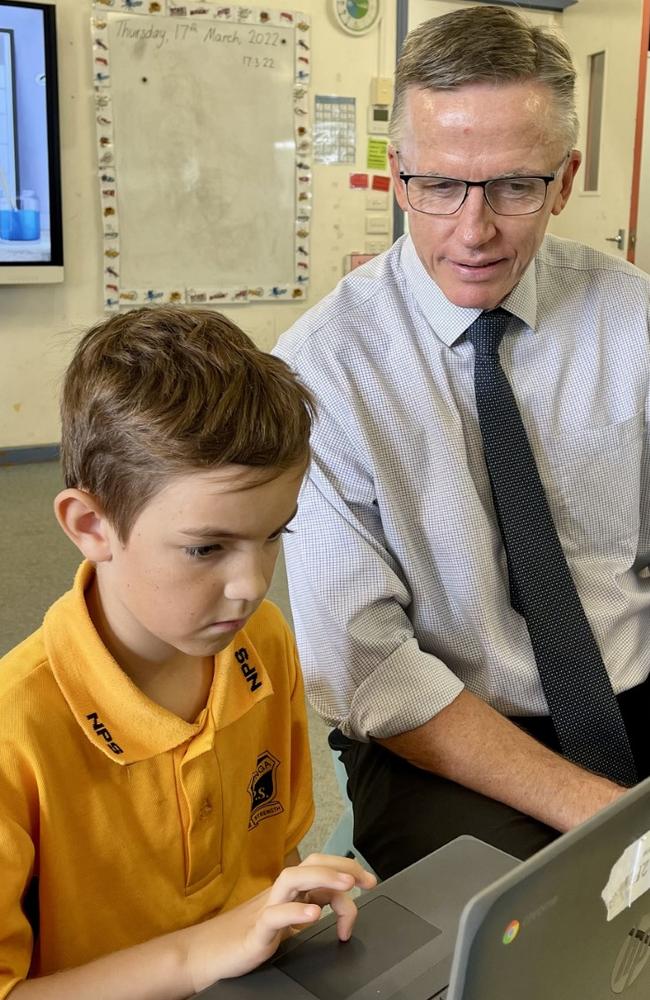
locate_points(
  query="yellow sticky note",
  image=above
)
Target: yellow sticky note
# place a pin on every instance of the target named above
(377, 154)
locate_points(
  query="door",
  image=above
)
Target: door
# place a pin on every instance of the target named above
(641, 204)
(615, 28)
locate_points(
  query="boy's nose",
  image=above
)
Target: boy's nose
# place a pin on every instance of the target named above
(247, 582)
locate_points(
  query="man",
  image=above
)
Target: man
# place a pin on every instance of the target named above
(469, 570)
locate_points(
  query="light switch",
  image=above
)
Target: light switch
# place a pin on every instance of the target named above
(377, 223)
(375, 246)
(377, 201)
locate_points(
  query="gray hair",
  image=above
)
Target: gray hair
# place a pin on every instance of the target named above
(485, 45)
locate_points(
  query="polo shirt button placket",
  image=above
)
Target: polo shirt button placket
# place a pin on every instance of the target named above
(200, 780)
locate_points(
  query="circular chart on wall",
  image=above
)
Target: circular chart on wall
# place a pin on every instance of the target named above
(356, 16)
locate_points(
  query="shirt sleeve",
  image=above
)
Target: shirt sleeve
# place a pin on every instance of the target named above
(364, 669)
(17, 855)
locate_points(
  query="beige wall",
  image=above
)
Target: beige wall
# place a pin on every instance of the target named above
(41, 324)
(420, 10)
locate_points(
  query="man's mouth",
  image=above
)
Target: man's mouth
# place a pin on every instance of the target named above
(476, 268)
(478, 263)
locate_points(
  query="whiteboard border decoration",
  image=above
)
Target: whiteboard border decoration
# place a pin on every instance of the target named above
(115, 295)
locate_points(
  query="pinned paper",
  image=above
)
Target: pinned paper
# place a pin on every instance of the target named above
(358, 180)
(380, 183)
(335, 129)
(377, 154)
(629, 878)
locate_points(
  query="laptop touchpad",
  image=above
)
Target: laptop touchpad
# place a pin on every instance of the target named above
(384, 934)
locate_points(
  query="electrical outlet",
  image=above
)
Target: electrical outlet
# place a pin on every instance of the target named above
(377, 223)
(375, 246)
(377, 201)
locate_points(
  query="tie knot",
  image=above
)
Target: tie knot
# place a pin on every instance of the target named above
(486, 331)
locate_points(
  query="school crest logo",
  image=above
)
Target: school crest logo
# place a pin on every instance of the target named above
(262, 789)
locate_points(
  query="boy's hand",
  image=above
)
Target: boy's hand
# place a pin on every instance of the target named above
(241, 939)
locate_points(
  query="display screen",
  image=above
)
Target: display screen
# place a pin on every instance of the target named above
(30, 209)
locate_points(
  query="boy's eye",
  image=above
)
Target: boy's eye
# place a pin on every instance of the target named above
(201, 551)
(282, 531)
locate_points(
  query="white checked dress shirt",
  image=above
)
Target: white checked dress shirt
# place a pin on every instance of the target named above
(397, 572)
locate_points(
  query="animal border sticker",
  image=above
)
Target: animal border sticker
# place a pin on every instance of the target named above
(203, 201)
(262, 789)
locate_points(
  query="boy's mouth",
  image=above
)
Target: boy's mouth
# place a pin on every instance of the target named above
(230, 625)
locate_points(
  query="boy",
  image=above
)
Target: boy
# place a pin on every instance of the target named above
(154, 764)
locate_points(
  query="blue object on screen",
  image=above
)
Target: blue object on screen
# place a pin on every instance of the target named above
(30, 182)
(22, 222)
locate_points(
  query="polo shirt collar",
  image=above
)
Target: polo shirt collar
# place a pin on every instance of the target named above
(116, 717)
(448, 321)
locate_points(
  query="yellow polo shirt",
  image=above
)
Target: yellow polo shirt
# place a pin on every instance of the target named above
(119, 821)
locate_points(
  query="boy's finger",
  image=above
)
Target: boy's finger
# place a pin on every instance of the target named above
(284, 916)
(344, 908)
(364, 879)
(293, 881)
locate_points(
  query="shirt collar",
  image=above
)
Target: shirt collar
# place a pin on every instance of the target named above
(448, 321)
(115, 716)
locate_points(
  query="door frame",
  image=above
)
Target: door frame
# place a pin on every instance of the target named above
(638, 133)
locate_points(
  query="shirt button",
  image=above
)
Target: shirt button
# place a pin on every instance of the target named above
(205, 809)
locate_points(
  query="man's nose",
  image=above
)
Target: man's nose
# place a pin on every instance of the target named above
(476, 224)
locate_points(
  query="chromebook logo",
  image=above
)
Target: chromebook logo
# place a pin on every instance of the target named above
(511, 932)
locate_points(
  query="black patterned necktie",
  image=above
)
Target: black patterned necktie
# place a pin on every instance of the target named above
(581, 701)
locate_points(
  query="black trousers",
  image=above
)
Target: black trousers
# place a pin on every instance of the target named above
(402, 813)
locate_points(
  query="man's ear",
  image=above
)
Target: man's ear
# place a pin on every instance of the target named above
(398, 184)
(568, 177)
(82, 518)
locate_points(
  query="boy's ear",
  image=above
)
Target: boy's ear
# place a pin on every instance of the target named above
(82, 518)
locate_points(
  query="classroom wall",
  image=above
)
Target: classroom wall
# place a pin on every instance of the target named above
(420, 10)
(41, 323)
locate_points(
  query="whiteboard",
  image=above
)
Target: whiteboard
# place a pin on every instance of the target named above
(203, 147)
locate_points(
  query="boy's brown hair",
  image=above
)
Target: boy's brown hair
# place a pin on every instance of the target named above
(156, 392)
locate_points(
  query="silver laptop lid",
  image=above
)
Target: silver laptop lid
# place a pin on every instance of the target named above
(571, 923)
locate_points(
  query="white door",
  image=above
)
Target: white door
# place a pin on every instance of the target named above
(612, 27)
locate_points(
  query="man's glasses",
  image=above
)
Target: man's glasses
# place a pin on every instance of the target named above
(505, 195)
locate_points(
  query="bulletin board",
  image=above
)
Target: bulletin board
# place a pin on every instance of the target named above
(204, 152)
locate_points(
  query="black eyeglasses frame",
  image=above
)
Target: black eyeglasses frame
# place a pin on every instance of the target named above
(547, 178)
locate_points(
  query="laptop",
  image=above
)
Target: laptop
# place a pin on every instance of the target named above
(471, 923)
